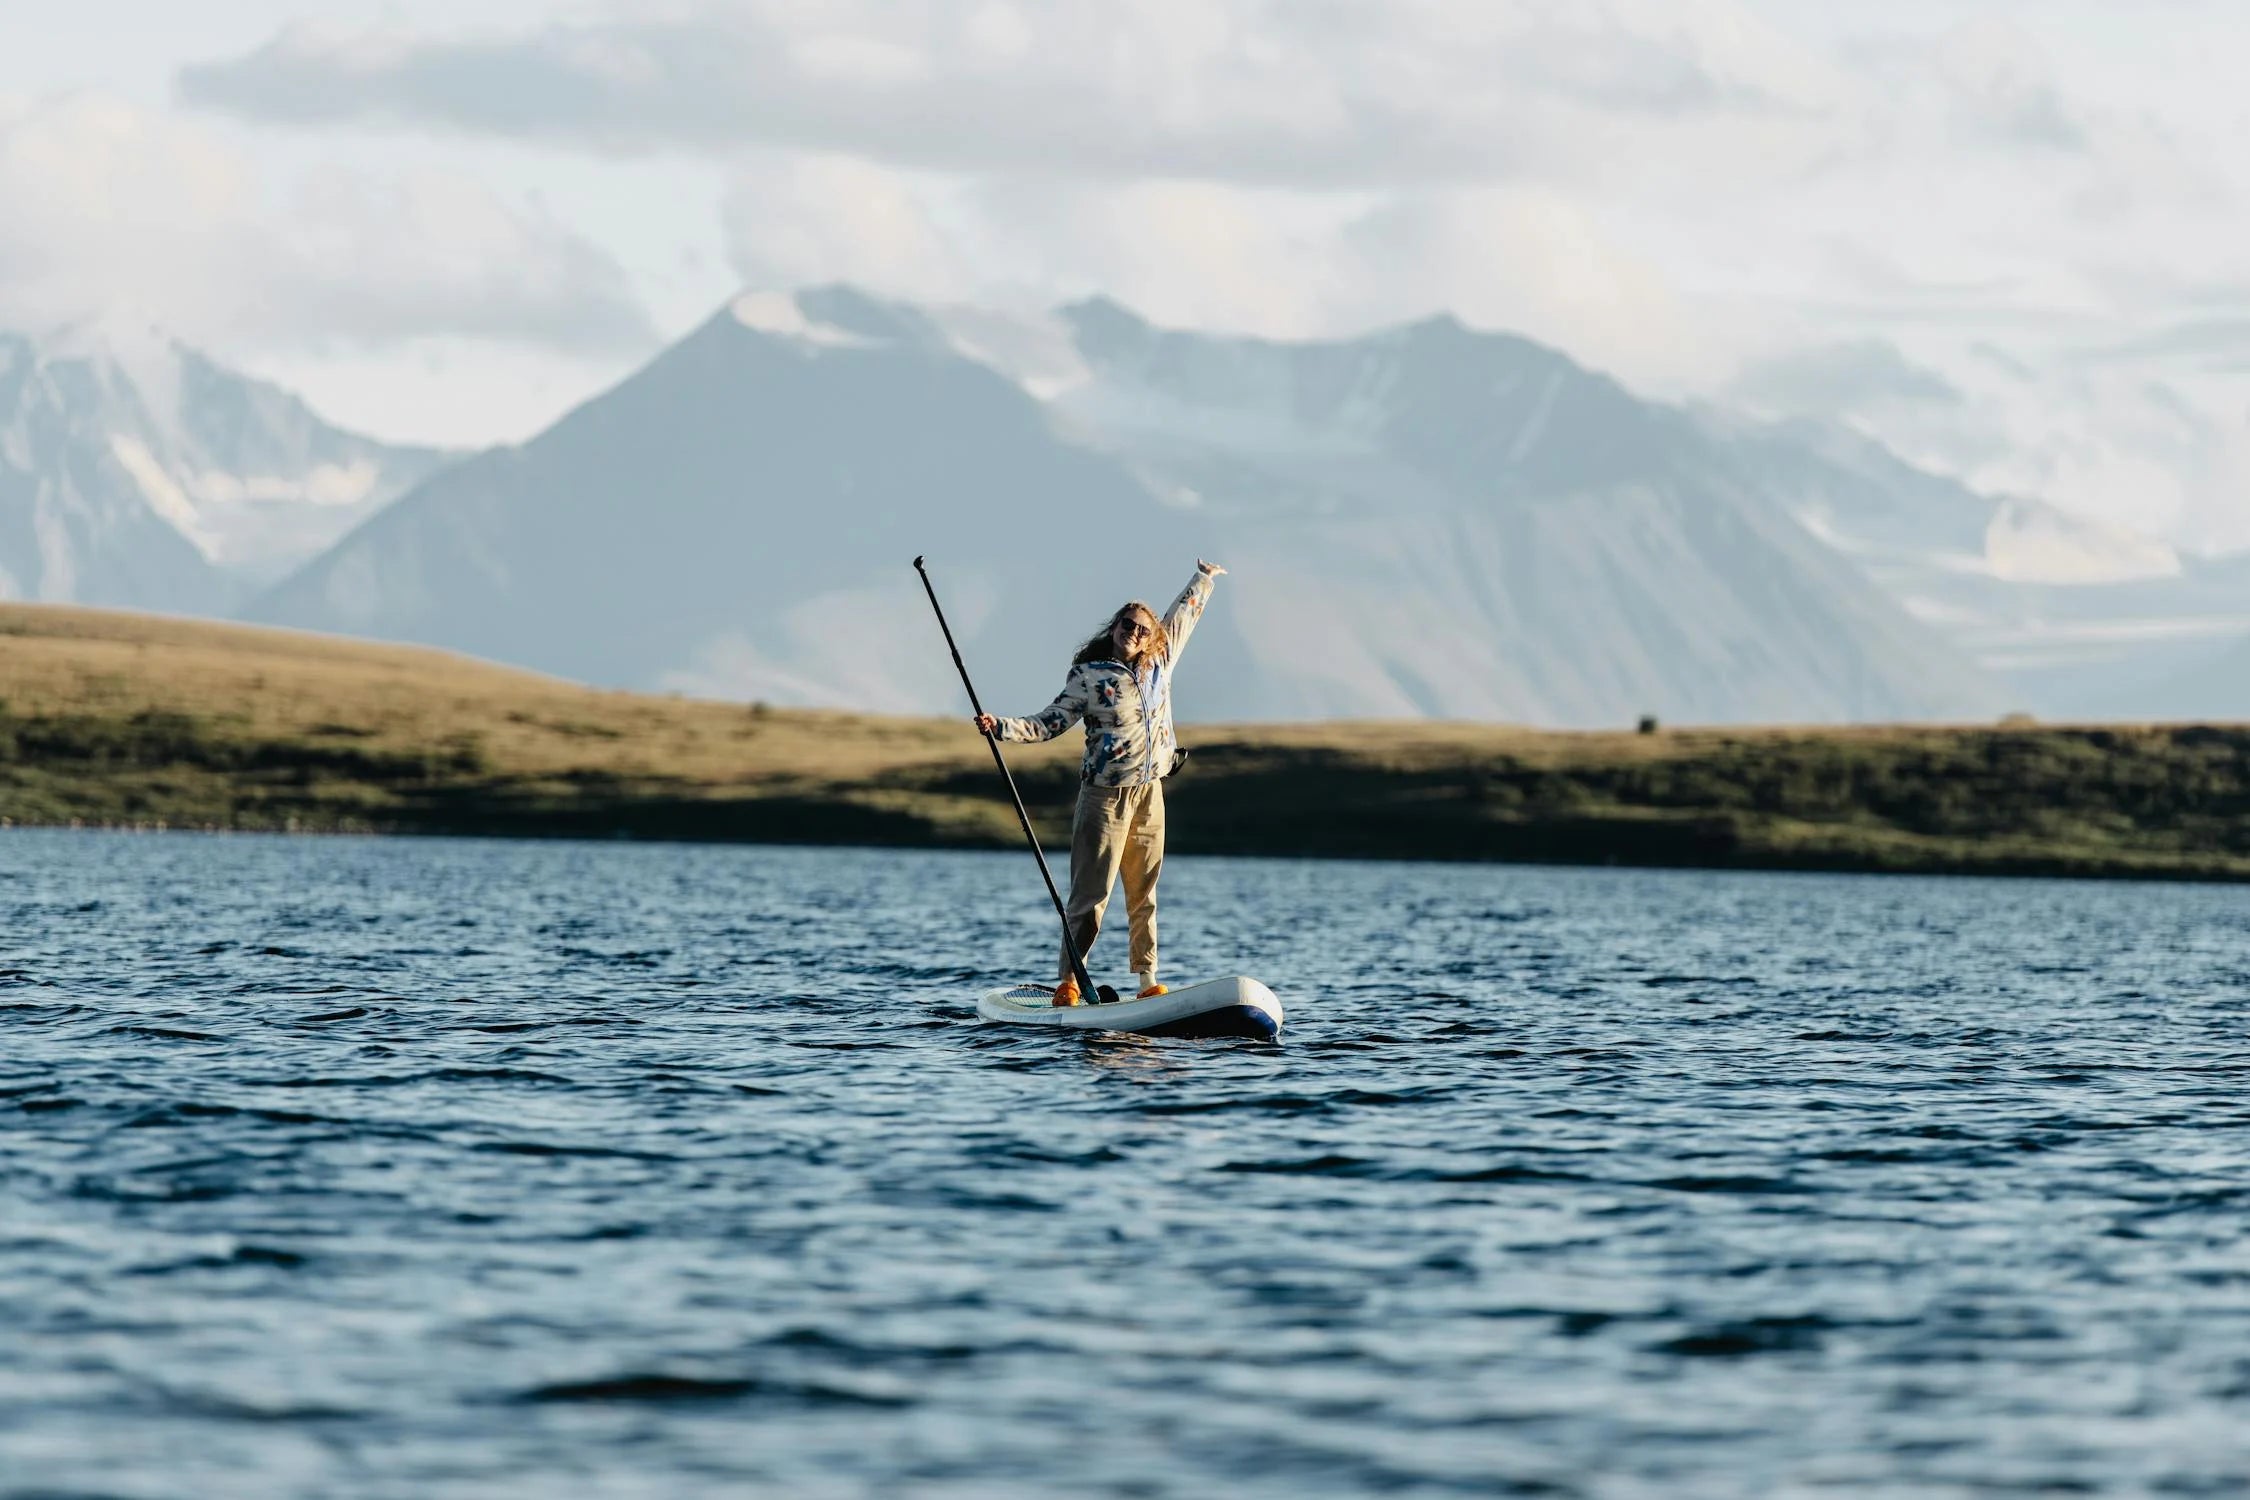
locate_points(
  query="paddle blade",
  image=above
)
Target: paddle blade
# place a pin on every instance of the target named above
(1105, 994)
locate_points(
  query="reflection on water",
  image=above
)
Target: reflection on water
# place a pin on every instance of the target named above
(1152, 1058)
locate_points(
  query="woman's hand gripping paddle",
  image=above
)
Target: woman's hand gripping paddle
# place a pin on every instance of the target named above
(1086, 986)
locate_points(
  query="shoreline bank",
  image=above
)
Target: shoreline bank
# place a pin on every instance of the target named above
(124, 719)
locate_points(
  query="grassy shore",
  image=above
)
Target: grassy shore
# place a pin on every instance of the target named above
(130, 720)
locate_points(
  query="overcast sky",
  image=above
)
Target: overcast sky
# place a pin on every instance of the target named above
(2008, 236)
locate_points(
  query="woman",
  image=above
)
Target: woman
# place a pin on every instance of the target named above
(1120, 683)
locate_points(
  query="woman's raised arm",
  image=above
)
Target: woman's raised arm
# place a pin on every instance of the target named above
(1180, 620)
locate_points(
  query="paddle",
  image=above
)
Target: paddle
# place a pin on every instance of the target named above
(1086, 986)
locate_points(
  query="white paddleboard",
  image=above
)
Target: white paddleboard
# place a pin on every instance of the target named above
(1220, 1007)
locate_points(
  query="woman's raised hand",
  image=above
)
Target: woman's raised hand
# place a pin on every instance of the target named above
(1209, 567)
(987, 725)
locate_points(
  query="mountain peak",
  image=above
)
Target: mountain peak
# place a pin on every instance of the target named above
(1432, 521)
(1438, 325)
(1101, 311)
(785, 315)
(1106, 329)
(122, 329)
(836, 316)
(1443, 334)
(154, 476)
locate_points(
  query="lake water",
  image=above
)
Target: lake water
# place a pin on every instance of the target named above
(335, 1167)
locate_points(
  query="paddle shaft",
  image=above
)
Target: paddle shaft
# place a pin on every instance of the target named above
(1070, 943)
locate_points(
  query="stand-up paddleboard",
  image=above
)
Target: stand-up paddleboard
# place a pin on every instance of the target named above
(1222, 1007)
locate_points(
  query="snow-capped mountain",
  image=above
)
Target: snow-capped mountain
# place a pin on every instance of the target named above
(1428, 520)
(2082, 620)
(135, 471)
(1574, 549)
(739, 517)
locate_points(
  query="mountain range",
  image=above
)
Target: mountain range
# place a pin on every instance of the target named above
(135, 471)
(1429, 520)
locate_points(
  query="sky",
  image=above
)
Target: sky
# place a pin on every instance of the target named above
(2007, 237)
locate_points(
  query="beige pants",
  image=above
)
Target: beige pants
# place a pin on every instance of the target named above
(1116, 830)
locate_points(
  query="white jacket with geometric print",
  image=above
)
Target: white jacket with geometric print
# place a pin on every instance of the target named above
(1128, 714)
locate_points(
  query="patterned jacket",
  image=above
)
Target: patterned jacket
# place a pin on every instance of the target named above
(1128, 714)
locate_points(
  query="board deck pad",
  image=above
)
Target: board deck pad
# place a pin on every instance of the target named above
(1236, 1006)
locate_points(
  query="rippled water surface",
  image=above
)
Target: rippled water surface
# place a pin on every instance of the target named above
(434, 1168)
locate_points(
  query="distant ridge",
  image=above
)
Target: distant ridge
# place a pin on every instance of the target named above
(136, 471)
(1424, 521)
(737, 519)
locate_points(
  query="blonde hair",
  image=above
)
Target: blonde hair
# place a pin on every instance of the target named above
(1099, 647)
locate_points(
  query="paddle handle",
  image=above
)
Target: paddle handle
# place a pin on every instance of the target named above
(992, 742)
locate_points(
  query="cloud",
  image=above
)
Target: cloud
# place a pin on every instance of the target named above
(1842, 378)
(1980, 240)
(103, 204)
(1992, 84)
(1196, 253)
(1535, 261)
(1200, 254)
(382, 258)
(2219, 342)
(2100, 436)
(791, 220)
(1276, 262)
(1583, 169)
(1256, 92)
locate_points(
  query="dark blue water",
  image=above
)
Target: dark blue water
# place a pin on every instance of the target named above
(431, 1168)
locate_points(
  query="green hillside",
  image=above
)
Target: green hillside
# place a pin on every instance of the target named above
(110, 719)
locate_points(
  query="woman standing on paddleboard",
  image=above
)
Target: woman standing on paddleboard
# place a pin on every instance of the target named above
(1120, 683)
